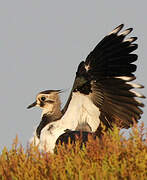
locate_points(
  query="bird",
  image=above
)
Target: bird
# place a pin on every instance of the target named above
(102, 93)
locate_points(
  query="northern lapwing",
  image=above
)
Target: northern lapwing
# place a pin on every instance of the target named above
(102, 92)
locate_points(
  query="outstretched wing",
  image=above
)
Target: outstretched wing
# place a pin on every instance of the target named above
(105, 78)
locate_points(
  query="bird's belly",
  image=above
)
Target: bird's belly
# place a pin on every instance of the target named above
(48, 137)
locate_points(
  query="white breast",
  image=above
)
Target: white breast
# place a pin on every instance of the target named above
(81, 110)
(49, 137)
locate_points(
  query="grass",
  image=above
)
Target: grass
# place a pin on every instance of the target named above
(113, 157)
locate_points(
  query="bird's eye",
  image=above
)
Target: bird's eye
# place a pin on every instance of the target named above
(43, 98)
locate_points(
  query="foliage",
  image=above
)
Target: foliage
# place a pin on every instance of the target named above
(112, 157)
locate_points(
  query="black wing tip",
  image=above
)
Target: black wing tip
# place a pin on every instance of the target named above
(134, 38)
(119, 28)
(131, 39)
(133, 46)
(129, 29)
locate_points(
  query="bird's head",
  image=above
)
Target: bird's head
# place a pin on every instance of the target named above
(48, 101)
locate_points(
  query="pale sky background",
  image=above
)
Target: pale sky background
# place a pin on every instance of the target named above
(41, 44)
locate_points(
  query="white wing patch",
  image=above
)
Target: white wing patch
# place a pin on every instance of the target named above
(134, 85)
(137, 94)
(126, 32)
(81, 110)
(125, 78)
(116, 30)
(87, 67)
(132, 39)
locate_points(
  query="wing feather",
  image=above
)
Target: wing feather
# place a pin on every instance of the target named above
(105, 78)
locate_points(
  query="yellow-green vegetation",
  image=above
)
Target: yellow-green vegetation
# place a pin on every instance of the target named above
(112, 157)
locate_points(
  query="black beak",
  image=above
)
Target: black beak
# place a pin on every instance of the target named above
(32, 105)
